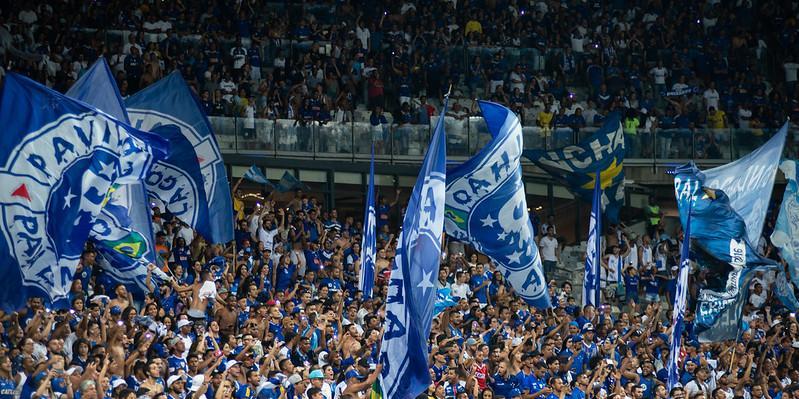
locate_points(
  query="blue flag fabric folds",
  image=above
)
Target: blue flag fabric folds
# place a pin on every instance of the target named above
(123, 229)
(412, 288)
(366, 280)
(748, 182)
(170, 101)
(576, 166)
(786, 231)
(486, 207)
(255, 175)
(289, 183)
(58, 159)
(444, 300)
(593, 251)
(680, 304)
(721, 247)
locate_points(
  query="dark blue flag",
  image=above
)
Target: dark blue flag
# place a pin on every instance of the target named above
(170, 102)
(575, 166)
(722, 250)
(289, 183)
(255, 175)
(680, 304)
(593, 250)
(366, 280)
(58, 159)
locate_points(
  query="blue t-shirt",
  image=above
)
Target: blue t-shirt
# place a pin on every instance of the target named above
(503, 385)
(480, 294)
(176, 363)
(283, 281)
(7, 388)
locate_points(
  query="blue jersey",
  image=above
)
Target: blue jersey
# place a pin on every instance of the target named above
(7, 388)
(176, 363)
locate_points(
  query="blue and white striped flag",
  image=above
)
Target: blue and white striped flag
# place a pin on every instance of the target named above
(593, 251)
(412, 290)
(255, 175)
(487, 206)
(366, 279)
(680, 303)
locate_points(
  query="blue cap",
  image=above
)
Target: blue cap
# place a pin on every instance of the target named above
(160, 350)
(115, 310)
(574, 324)
(352, 374)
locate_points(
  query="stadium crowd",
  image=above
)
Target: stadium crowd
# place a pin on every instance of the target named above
(670, 65)
(278, 314)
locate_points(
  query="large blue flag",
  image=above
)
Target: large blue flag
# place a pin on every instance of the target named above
(680, 304)
(786, 231)
(486, 206)
(58, 159)
(412, 288)
(255, 175)
(123, 229)
(722, 249)
(748, 182)
(366, 279)
(575, 166)
(593, 250)
(170, 102)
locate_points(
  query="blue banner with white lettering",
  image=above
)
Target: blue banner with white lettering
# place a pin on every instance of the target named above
(593, 250)
(680, 304)
(170, 101)
(366, 280)
(58, 159)
(255, 175)
(412, 289)
(487, 206)
(123, 229)
(722, 250)
(786, 231)
(575, 166)
(748, 182)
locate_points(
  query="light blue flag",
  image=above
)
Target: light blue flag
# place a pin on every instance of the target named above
(444, 300)
(366, 279)
(255, 175)
(748, 182)
(680, 304)
(575, 166)
(170, 102)
(593, 250)
(783, 289)
(58, 159)
(289, 183)
(786, 231)
(412, 290)
(721, 248)
(486, 207)
(123, 229)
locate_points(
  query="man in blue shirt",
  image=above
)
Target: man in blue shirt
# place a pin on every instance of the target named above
(479, 284)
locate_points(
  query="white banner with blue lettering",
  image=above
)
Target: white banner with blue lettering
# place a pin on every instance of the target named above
(748, 182)
(58, 159)
(170, 101)
(487, 206)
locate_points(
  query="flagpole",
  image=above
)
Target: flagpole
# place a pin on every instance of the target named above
(598, 243)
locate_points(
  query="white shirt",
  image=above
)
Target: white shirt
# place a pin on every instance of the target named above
(548, 246)
(744, 115)
(790, 71)
(239, 55)
(520, 84)
(460, 290)
(757, 300)
(363, 36)
(711, 98)
(659, 74)
(578, 43)
(613, 264)
(695, 387)
(267, 237)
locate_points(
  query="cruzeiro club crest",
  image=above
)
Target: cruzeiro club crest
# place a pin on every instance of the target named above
(54, 185)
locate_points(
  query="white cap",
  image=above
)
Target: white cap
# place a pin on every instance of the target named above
(171, 380)
(117, 383)
(197, 382)
(230, 363)
(183, 323)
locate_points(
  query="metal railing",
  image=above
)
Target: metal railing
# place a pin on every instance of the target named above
(465, 137)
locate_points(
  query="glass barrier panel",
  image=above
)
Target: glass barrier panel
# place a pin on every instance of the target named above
(478, 134)
(746, 140)
(712, 144)
(457, 135)
(409, 139)
(333, 138)
(674, 144)
(254, 134)
(225, 131)
(287, 136)
(366, 134)
(532, 139)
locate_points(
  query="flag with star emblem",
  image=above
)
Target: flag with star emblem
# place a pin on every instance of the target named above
(575, 166)
(722, 250)
(366, 279)
(123, 230)
(593, 253)
(169, 103)
(486, 206)
(411, 288)
(58, 159)
(680, 303)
